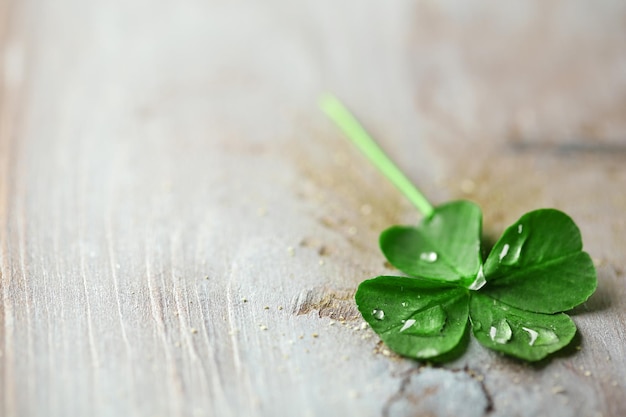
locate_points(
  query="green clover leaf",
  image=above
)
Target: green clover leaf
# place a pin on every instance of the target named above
(517, 332)
(419, 318)
(445, 247)
(513, 301)
(538, 264)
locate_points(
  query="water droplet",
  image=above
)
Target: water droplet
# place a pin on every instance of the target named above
(546, 337)
(511, 252)
(501, 332)
(378, 314)
(480, 280)
(429, 257)
(427, 353)
(427, 322)
(541, 337)
(407, 324)
(532, 334)
(504, 251)
(520, 228)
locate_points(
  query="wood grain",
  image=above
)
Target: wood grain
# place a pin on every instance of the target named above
(182, 230)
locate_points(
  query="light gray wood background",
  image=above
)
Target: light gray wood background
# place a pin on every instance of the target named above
(182, 229)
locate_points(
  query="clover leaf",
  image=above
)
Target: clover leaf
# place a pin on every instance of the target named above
(538, 264)
(439, 248)
(513, 301)
(414, 317)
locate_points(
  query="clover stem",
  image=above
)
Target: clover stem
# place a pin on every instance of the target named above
(357, 134)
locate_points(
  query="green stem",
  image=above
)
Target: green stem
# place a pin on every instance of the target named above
(357, 134)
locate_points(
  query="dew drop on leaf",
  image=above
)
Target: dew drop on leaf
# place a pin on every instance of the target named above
(541, 337)
(427, 353)
(427, 322)
(500, 332)
(510, 254)
(532, 334)
(480, 280)
(504, 252)
(407, 324)
(429, 257)
(378, 314)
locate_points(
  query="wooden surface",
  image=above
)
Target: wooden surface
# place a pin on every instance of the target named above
(182, 230)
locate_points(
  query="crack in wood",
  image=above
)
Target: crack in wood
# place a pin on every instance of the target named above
(415, 400)
(337, 304)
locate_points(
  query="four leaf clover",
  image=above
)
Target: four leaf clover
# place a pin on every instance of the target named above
(513, 301)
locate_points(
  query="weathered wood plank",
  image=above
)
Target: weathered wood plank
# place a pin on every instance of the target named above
(181, 230)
